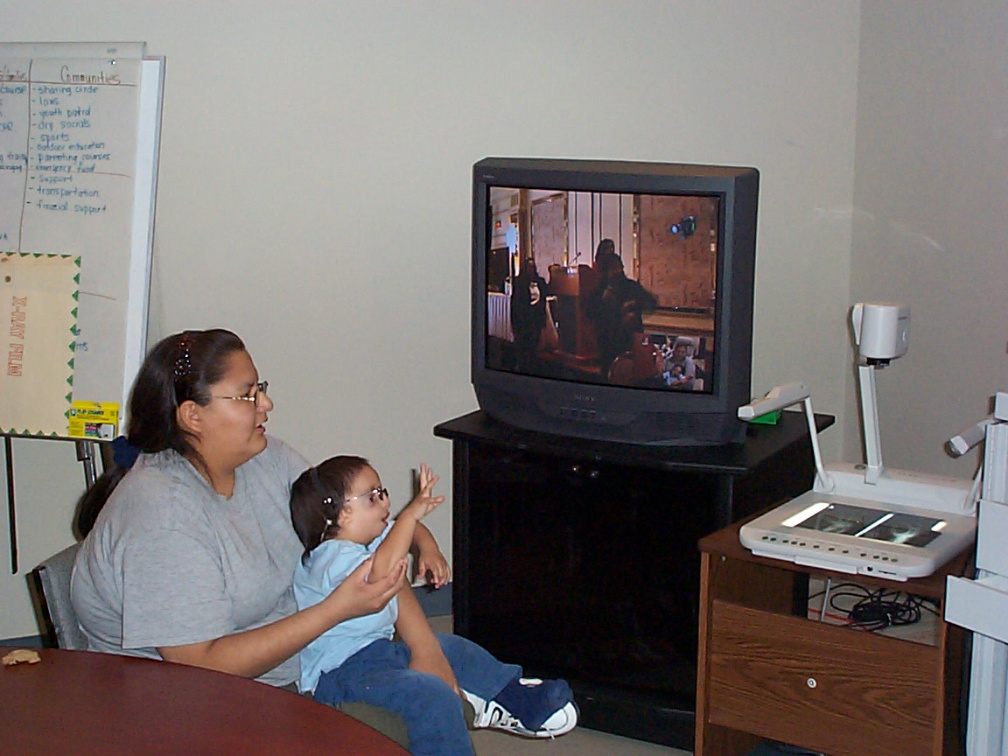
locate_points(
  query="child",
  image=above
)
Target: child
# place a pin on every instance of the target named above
(341, 514)
(680, 370)
(674, 374)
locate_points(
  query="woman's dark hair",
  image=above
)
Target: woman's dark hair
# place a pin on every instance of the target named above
(179, 368)
(317, 498)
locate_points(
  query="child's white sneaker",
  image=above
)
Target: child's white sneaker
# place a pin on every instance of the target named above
(491, 714)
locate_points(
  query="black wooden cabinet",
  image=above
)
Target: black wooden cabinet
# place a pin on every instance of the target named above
(578, 558)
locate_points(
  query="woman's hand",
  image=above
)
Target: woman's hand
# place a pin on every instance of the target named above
(251, 653)
(357, 597)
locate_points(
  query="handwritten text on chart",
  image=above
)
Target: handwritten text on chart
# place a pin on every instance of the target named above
(58, 155)
(18, 318)
(66, 154)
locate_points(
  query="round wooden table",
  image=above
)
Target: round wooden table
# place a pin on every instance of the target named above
(89, 703)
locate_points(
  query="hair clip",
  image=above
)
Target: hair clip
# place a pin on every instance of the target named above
(183, 365)
(325, 529)
(326, 499)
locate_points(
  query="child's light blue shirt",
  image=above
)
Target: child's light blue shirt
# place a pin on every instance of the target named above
(328, 565)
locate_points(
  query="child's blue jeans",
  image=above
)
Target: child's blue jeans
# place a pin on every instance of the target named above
(379, 674)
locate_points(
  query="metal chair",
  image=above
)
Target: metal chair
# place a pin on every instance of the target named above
(51, 581)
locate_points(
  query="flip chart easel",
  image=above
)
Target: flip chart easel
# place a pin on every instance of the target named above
(79, 141)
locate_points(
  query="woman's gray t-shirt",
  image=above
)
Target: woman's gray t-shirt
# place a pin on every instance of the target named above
(172, 562)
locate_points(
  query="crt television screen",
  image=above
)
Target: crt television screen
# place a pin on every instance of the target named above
(593, 287)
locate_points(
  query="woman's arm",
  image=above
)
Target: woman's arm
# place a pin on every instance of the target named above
(689, 367)
(252, 653)
(425, 651)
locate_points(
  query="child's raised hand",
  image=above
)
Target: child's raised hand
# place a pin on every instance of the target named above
(423, 503)
(433, 567)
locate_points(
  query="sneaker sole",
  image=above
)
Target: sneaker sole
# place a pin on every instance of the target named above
(561, 722)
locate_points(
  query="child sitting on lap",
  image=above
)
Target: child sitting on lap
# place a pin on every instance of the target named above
(341, 514)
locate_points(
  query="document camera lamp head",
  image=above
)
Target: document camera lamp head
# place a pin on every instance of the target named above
(881, 331)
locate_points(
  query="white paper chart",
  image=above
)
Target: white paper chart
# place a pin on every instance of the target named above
(79, 129)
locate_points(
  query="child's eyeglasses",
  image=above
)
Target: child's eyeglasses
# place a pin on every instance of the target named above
(260, 388)
(375, 495)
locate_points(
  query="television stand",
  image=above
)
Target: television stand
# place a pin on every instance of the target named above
(578, 558)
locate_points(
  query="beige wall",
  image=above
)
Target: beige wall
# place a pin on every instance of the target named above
(931, 217)
(314, 191)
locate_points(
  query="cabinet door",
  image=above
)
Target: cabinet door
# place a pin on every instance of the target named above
(588, 570)
(835, 689)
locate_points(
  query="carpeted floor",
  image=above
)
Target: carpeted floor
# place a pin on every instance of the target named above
(580, 742)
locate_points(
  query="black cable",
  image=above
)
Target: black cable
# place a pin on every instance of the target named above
(879, 608)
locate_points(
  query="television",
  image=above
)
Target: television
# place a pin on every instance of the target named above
(613, 300)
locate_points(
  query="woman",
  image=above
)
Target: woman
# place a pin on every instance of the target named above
(191, 558)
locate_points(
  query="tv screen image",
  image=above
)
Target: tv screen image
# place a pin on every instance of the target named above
(613, 300)
(634, 309)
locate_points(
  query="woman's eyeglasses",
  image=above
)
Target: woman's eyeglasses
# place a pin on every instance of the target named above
(374, 495)
(260, 388)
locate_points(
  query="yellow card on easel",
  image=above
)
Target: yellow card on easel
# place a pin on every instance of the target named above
(98, 420)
